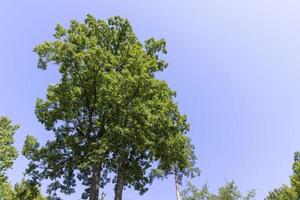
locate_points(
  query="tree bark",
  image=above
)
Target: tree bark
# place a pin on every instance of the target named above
(120, 181)
(95, 185)
(177, 185)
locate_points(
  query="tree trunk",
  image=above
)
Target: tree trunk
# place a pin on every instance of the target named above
(177, 185)
(119, 187)
(95, 185)
(120, 181)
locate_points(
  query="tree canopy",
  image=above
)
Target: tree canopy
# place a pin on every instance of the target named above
(291, 192)
(8, 152)
(108, 112)
(283, 193)
(26, 190)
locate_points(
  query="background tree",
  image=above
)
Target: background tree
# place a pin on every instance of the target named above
(283, 193)
(8, 152)
(177, 159)
(6, 191)
(192, 192)
(108, 112)
(289, 192)
(227, 192)
(295, 178)
(26, 190)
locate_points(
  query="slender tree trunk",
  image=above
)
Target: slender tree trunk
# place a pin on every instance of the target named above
(119, 187)
(95, 185)
(177, 185)
(120, 181)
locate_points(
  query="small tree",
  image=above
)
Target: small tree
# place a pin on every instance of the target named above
(283, 193)
(177, 159)
(8, 152)
(227, 192)
(295, 178)
(26, 190)
(286, 192)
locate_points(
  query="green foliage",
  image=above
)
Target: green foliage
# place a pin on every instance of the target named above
(192, 192)
(283, 193)
(227, 192)
(27, 190)
(6, 191)
(108, 111)
(295, 178)
(8, 152)
(289, 192)
(231, 192)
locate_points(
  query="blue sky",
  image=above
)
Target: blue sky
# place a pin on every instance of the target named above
(234, 64)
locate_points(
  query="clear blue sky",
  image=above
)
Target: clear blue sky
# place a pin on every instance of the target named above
(235, 65)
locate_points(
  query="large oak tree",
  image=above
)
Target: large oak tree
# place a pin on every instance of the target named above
(108, 112)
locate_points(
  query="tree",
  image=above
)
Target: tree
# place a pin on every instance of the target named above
(227, 192)
(283, 193)
(8, 152)
(6, 191)
(140, 144)
(295, 178)
(26, 190)
(286, 192)
(192, 192)
(178, 159)
(108, 112)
